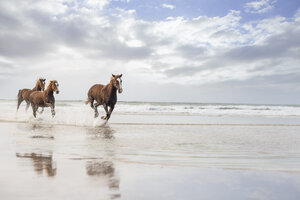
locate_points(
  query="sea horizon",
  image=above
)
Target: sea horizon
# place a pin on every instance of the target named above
(178, 102)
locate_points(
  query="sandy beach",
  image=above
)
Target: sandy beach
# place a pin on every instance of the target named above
(148, 156)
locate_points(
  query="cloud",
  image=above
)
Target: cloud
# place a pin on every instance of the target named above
(87, 42)
(169, 6)
(210, 50)
(261, 6)
(97, 3)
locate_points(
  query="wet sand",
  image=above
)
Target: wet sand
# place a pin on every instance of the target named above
(148, 161)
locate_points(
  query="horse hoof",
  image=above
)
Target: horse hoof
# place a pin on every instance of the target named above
(103, 117)
(96, 115)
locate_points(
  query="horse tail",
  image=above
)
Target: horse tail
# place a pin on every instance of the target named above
(19, 93)
(87, 101)
(19, 98)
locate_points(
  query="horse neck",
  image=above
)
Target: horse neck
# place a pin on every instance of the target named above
(111, 90)
(48, 91)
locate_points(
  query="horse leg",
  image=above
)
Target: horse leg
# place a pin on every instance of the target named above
(27, 104)
(96, 109)
(20, 99)
(110, 111)
(106, 110)
(52, 108)
(52, 111)
(33, 110)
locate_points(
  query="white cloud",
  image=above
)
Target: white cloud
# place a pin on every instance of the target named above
(260, 6)
(97, 3)
(86, 44)
(297, 15)
(169, 6)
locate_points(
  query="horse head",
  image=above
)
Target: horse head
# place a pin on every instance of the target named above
(117, 82)
(53, 86)
(40, 84)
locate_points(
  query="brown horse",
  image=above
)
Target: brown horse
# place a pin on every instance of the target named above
(25, 93)
(105, 95)
(44, 99)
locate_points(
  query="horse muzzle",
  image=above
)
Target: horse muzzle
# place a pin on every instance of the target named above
(57, 91)
(120, 90)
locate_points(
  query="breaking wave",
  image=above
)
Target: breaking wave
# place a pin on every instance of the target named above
(78, 114)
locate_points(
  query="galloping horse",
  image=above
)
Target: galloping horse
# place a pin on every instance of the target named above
(44, 99)
(105, 95)
(25, 93)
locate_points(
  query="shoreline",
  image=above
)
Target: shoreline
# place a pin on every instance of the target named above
(141, 124)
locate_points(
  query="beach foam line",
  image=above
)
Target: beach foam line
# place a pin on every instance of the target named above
(207, 165)
(136, 124)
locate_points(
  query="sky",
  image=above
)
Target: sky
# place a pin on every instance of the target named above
(217, 51)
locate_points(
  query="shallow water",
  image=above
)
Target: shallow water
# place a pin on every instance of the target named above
(147, 156)
(235, 147)
(149, 162)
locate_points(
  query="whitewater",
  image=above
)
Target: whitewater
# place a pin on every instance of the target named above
(78, 114)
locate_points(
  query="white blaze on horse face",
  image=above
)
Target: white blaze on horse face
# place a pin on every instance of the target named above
(120, 89)
(56, 85)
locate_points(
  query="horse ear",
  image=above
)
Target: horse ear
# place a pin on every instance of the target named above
(120, 75)
(113, 75)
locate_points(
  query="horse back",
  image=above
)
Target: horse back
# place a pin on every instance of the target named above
(95, 91)
(22, 93)
(26, 94)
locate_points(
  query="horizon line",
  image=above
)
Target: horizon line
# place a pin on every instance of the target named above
(181, 102)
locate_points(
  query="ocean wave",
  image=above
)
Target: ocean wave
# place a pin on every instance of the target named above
(148, 108)
(43, 123)
(230, 108)
(211, 109)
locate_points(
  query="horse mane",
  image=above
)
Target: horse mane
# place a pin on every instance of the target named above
(109, 84)
(37, 83)
(49, 83)
(110, 81)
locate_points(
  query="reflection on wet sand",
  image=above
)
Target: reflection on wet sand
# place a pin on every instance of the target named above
(42, 132)
(102, 131)
(37, 126)
(41, 163)
(105, 169)
(39, 131)
(42, 137)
